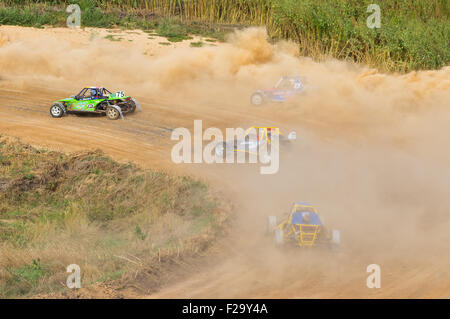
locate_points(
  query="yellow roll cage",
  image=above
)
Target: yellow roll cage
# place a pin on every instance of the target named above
(265, 130)
(304, 234)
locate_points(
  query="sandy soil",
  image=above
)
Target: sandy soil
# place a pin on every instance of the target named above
(372, 152)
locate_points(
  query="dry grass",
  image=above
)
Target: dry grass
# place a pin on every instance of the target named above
(111, 219)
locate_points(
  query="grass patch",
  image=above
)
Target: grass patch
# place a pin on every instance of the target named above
(114, 38)
(109, 218)
(26, 278)
(198, 44)
(173, 31)
(174, 28)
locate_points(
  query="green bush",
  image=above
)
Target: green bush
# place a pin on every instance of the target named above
(413, 34)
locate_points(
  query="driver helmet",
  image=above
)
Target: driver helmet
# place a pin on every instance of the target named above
(306, 218)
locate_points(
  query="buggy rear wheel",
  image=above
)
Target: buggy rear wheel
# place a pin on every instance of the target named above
(257, 99)
(112, 113)
(57, 110)
(279, 237)
(131, 107)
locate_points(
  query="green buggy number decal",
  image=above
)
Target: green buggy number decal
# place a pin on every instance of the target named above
(119, 94)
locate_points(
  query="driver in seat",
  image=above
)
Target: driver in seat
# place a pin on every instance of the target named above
(95, 94)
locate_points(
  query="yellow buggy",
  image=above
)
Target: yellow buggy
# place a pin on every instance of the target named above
(255, 137)
(302, 227)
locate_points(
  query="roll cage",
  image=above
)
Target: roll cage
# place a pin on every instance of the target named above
(303, 208)
(263, 132)
(289, 83)
(302, 232)
(93, 93)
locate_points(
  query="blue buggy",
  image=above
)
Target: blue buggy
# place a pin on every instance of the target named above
(302, 227)
(286, 88)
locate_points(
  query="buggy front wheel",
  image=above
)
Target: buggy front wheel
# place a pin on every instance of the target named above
(271, 224)
(57, 110)
(279, 237)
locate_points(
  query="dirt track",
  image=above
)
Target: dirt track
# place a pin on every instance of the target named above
(372, 154)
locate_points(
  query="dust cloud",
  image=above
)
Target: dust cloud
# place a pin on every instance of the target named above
(338, 93)
(371, 154)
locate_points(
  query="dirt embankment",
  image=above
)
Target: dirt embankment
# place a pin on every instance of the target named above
(371, 152)
(113, 220)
